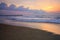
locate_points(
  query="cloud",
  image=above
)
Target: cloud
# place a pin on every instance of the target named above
(36, 4)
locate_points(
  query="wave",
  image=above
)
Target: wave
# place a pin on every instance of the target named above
(29, 19)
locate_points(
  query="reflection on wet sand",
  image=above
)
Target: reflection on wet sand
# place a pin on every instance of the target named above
(51, 27)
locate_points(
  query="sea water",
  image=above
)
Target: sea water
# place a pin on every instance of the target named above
(37, 23)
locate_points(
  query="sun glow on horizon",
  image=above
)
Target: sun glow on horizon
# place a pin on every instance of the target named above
(51, 8)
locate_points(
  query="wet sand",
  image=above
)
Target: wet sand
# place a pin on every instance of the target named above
(8, 32)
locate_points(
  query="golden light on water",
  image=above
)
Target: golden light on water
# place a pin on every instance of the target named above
(50, 27)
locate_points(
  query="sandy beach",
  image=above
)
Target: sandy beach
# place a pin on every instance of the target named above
(8, 32)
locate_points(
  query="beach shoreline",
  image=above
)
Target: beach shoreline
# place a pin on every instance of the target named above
(50, 27)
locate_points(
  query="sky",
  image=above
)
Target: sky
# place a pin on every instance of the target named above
(47, 5)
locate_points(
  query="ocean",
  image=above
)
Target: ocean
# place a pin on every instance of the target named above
(48, 24)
